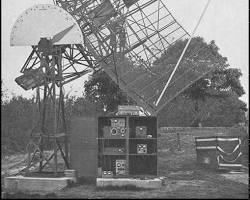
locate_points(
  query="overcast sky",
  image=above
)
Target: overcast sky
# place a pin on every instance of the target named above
(226, 22)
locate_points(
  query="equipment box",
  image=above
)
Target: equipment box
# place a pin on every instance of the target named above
(127, 146)
(222, 152)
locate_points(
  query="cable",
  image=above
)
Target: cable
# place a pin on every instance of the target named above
(116, 74)
(183, 52)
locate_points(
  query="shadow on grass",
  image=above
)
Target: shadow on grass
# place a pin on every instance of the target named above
(126, 187)
(22, 195)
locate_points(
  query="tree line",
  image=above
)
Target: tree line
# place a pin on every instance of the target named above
(211, 101)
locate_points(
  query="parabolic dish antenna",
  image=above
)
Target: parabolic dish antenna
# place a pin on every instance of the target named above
(45, 21)
(129, 39)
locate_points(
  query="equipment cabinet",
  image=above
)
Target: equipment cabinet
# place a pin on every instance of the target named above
(127, 146)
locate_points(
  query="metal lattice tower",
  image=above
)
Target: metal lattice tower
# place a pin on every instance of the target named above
(57, 58)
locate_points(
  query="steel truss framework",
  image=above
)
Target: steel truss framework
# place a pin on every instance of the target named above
(126, 42)
(76, 62)
(58, 65)
(66, 63)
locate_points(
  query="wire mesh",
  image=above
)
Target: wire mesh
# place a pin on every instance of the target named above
(127, 39)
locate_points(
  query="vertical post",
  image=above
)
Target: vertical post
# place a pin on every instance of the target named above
(29, 160)
(66, 140)
(53, 64)
(178, 142)
(41, 153)
(61, 105)
(38, 102)
(55, 156)
(127, 145)
(103, 156)
(40, 139)
(240, 148)
(42, 110)
(45, 95)
(217, 152)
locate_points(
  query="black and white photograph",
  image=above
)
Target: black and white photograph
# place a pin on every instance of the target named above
(124, 99)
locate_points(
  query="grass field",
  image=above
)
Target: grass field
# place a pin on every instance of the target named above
(182, 177)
